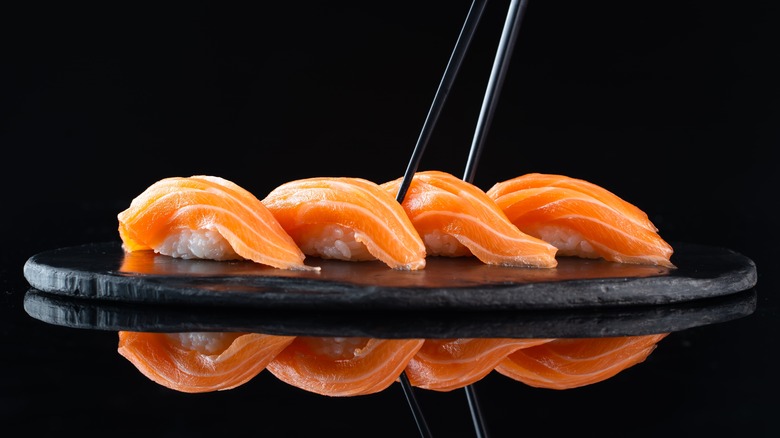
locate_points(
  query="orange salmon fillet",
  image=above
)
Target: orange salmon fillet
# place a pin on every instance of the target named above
(229, 359)
(572, 363)
(456, 218)
(447, 364)
(233, 222)
(341, 367)
(349, 219)
(581, 219)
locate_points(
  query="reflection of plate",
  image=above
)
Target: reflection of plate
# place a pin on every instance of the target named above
(620, 321)
(103, 271)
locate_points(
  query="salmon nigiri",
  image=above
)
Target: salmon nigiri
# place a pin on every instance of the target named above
(456, 218)
(575, 362)
(207, 217)
(447, 364)
(200, 362)
(349, 219)
(339, 367)
(581, 219)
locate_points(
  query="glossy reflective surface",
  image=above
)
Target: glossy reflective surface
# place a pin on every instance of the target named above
(197, 362)
(671, 107)
(104, 271)
(592, 322)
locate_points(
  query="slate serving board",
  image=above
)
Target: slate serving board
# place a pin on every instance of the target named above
(103, 271)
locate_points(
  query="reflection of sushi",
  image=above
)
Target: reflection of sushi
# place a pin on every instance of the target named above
(347, 219)
(209, 218)
(581, 219)
(351, 366)
(341, 367)
(571, 363)
(200, 362)
(447, 364)
(456, 218)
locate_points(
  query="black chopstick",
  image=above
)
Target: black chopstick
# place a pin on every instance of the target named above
(506, 45)
(453, 66)
(500, 64)
(451, 71)
(498, 73)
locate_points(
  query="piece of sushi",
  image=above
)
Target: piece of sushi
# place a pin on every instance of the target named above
(346, 218)
(207, 217)
(456, 218)
(575, 362)
(581, 219)
(200, 362)
(343, 366)
(448, 364)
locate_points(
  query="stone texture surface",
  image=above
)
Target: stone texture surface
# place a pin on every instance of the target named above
(102, 271)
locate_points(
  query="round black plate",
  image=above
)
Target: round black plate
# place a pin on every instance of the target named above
(104, 271)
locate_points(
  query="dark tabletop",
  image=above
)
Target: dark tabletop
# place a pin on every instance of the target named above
(671, 107)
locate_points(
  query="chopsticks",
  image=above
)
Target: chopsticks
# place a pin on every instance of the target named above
(451, 71)
(498, 73)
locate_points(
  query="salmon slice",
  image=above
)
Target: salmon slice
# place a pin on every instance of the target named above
(540, 180)
(349, 219)
(447, 364)
(572, 363)
(341, 367)
(456, 218)
(207, 217)
(200, 362)
(581, 220)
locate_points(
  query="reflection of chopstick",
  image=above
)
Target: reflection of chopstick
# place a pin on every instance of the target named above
(498, 72)
(453, 66)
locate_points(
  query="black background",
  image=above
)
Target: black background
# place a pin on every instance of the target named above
(672, 106)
